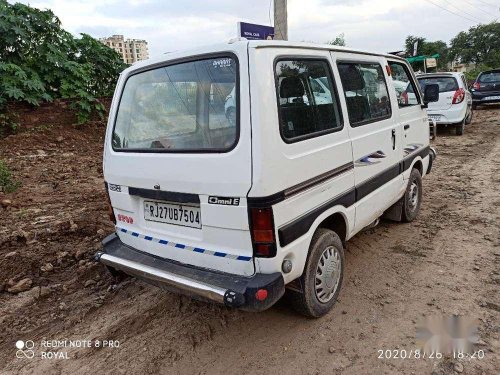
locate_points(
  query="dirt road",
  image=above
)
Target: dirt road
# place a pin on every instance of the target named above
(444, 263)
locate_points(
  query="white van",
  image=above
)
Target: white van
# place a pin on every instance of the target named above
(236, 209)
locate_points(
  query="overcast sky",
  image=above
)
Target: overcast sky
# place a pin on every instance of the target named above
(375, 25)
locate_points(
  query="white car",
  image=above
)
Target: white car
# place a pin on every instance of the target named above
(238, 211)
(454, 107)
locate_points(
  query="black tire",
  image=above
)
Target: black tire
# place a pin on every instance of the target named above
(468, 119)
(459, 128)
(412, 199)
(307, 302)
(474, 106)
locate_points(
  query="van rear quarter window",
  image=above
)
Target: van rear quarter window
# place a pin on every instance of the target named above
(187, 107)
(307, 100)
(365, 91)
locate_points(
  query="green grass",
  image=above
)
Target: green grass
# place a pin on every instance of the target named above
(7, 183)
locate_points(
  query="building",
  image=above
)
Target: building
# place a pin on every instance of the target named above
(131, 50)
(456, 66)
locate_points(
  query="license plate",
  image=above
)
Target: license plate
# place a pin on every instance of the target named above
(435, 117)
(171, 213)
(492, 98)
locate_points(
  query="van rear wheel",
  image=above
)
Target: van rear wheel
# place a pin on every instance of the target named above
(413, 197)
(320, 283)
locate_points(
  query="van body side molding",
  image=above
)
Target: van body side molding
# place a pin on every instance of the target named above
(300, 187)
(161, 195)
(409, 159)
(290, 232)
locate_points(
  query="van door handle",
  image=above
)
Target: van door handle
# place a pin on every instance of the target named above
(406, 127)
(393, 136)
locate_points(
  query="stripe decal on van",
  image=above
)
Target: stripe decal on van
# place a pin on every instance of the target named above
(184, 247)
(297, 228)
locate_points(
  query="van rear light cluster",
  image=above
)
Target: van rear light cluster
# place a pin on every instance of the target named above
(476, 85)
(110, 207)
(458, 97)
(262, 228)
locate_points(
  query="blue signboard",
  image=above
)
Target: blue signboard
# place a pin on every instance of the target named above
(253, 31)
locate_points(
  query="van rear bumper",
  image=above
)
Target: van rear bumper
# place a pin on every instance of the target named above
(230, 290)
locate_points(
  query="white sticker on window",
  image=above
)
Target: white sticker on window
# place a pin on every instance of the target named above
(222, 63)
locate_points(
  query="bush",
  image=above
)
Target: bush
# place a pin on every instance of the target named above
(40, 61)
(8, 123)
(7, 184)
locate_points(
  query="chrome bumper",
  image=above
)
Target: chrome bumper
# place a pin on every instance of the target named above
(230, 290)
(184, 284)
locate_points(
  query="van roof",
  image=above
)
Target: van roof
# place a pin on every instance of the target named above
(251, 44)
(316, 46)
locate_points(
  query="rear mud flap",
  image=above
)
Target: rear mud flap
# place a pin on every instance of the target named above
(395, 212)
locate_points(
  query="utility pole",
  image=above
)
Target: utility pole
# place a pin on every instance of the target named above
(280, 20)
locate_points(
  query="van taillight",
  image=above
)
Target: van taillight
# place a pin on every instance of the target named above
(110, 207)
(262, 227)
(458, 97)
(476, 85)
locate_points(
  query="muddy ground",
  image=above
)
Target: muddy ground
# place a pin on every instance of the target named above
(447, 262)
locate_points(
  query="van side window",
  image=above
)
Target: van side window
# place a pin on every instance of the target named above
(404, 85)
(307, 101)
(365, 92)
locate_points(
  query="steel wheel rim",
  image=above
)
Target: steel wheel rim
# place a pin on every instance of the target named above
(328, 274)
(413, 196)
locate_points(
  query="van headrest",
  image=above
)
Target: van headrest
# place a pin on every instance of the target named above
(291, 87)
(352, 79)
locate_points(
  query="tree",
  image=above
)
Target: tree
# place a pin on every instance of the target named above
(40, 61)
(480, 45)
(338, 41)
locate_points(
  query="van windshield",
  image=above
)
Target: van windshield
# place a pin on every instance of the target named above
(186, 107)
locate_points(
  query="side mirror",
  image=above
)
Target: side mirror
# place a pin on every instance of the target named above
(431, 93)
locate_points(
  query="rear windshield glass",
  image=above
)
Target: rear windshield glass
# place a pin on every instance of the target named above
(445, 83)
(489, 77)
(189, 106)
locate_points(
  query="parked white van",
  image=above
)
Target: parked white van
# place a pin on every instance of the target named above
(237, 211)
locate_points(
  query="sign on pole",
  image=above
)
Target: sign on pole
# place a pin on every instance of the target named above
(253, 31)
(415, 48)
(430, 62)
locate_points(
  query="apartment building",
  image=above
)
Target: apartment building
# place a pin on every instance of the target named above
(131, 50)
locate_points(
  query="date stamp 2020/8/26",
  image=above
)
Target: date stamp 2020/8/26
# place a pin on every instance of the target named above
(432, 355)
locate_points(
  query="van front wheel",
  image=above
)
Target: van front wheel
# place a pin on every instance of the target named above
(413, 196)
(319, 285)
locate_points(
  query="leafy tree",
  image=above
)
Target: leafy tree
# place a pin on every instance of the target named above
(40, 61)
(338, 41)
(428, 49)
(479, 45)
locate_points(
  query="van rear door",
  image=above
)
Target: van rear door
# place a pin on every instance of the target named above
(178, 163)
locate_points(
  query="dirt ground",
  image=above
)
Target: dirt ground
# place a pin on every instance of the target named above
(446, 262)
